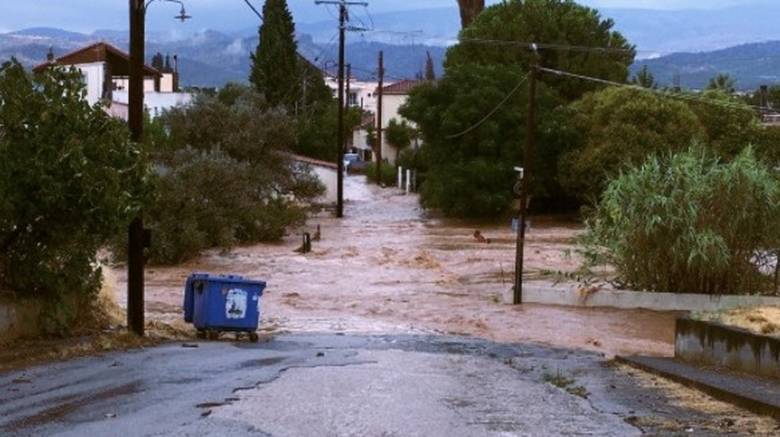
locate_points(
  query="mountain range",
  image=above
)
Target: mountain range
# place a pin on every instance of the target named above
(211, 58)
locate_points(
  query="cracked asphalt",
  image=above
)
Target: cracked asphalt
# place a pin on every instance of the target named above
(341, 385)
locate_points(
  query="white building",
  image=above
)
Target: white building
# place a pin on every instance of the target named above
(326, 172)
(393, 97)
(361, 94)
(106, 71)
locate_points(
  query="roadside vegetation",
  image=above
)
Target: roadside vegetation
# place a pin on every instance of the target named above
(70, 179)
(679, 188)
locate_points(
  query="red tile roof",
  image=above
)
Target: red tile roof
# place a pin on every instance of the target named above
(402, 88)
(99, 52)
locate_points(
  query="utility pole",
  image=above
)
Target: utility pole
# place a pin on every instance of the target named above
(343, 18)
(528, 158)
(135, 117)
(349, 90)
(137, 236)
(380, 94)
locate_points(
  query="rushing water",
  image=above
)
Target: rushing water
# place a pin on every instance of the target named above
(388, 267)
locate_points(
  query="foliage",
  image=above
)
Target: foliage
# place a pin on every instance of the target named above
(772, 97)
(561, 22)
(730, 128)
(622, 126)
(724, 83)
(687, 222)
(275, 65)
(645, 78)
(317, 132)
(389, 174)
(430, 71)
(209, 199)
(471, 175)
(469, 9)
(225, 176)
(69, 180)
(399, 134)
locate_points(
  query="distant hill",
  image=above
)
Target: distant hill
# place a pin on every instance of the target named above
(751, 64)
(211, 59)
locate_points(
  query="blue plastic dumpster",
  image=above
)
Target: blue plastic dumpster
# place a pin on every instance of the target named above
(222, 303)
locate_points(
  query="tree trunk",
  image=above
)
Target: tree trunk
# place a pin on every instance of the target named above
(469, 9)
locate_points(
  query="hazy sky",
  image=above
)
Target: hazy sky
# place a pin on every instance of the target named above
(88, 15)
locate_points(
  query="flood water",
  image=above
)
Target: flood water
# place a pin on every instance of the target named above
(388, 267)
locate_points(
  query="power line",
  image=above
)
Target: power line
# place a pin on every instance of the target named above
(492, 112)
(674, 95)
(259, 15)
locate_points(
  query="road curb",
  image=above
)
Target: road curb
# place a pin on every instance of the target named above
(761, 396)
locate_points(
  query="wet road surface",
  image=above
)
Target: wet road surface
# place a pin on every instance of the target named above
(327, 384)
(388, 267)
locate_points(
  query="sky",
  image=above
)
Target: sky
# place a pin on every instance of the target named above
(90, 15)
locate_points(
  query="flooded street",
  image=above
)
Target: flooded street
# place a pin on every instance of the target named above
(388, 268)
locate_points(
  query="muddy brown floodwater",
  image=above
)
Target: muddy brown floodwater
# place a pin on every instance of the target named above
(388, 267)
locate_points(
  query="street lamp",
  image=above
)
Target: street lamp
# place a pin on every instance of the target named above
(138, 237)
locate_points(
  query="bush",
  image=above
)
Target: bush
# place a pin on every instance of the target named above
(621, 126)
(689, 223)
(70, 179)
(389, 174)
(226, 177)
(208, 199)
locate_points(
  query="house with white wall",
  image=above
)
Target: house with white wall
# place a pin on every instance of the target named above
(326, 172)
(393, 97)
(106, 72)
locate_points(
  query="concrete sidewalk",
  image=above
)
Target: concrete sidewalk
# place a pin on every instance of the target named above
(760, 395)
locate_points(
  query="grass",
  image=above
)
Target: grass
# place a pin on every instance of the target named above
(565, 383)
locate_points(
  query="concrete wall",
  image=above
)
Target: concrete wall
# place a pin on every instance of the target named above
(328, 177)
(94, 78)
(155, 102)
(583, 297)
(715, 344)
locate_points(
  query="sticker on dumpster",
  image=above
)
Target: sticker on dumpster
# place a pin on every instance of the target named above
(235, 304)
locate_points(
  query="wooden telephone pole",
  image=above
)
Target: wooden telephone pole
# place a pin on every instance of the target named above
(343, 18)
(135, 121)
(380, 95)
(528, 158)
(137, 236)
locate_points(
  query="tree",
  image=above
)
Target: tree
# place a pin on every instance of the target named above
(689, 223)
(158, 61)
(70, 179)
(560, 22)
(430, 71)
(723, 82)
(229, 167)
(644, 78)
(469, 9)
(621, 127)
(276, 69)
(471, 175)
(399, 134)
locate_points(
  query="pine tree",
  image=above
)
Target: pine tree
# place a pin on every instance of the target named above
(644, 78)
(430, 72)
(276, 71)
(157, 61)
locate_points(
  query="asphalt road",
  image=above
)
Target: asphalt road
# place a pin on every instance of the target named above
(334, 385)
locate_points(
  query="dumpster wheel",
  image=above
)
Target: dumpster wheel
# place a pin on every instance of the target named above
(253, 337)
(213, 335)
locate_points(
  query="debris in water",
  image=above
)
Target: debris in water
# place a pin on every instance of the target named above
(481, 238)
(189, 345)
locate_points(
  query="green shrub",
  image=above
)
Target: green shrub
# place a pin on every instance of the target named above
(208, 199)
(687, 222)
(389, 174)
(622, 126)
(70, 179)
